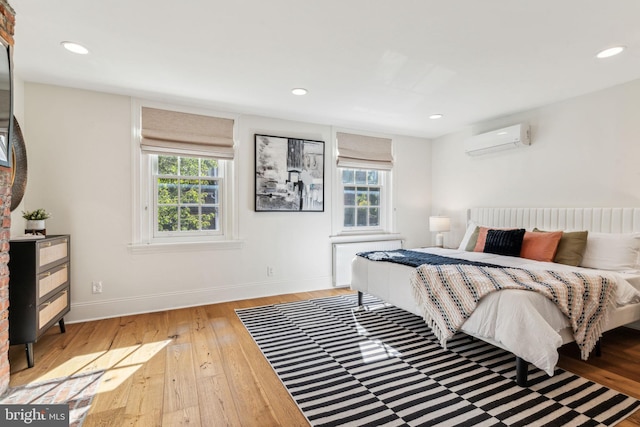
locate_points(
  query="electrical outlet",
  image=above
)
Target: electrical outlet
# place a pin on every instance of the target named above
(269, 271)
(96, 287)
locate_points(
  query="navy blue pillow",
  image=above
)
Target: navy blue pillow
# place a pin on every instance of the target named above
(504, 242)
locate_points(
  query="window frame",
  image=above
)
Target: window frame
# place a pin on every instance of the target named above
(143, 198)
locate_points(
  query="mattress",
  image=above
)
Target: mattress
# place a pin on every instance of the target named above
(523, 322)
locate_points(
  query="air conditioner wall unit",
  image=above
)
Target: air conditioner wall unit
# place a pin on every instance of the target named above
(500, 139)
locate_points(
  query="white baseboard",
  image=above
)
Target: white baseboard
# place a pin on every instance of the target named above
(116, 307)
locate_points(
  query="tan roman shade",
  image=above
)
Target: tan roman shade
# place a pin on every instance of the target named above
(364, 152)
(186, 134)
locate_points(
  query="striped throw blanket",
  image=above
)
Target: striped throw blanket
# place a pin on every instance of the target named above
(450, 293)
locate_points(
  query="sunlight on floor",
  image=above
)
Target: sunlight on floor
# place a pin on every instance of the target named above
(78, 380)
(114, 378)
(119, 363)
(373, 350)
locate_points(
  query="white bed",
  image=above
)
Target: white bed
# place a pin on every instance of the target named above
(522, 322)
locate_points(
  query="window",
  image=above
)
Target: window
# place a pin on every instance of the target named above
(185, 177)
(362, 198)
(187, 195)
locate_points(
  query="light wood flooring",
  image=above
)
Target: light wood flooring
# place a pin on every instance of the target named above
(199, 367)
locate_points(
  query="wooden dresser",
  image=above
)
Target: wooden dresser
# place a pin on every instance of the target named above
(39, 288)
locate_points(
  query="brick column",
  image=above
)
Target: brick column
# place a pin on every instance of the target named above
(7, 21)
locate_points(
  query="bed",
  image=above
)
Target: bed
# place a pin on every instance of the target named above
(526, 323)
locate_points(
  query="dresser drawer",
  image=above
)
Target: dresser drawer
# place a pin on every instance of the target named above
(52, 279)
(52, 251)
(52, 309)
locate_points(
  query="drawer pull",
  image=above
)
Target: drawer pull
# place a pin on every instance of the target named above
(45, 244)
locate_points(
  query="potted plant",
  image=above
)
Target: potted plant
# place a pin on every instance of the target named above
(36, 221)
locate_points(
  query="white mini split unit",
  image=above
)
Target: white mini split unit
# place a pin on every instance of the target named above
(500, 139)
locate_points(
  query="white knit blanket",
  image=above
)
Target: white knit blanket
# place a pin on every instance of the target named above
(449, 294)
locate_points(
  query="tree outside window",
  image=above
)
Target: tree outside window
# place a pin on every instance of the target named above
(187, 195)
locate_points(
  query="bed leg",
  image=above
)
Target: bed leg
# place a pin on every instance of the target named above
(522, 368)
(359, 299)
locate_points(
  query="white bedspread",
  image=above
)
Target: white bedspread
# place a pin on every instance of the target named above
(525, 323)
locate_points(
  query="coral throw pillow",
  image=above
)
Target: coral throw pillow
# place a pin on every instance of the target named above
(540, 246)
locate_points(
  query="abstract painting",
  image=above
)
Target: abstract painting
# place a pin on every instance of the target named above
(289, 174)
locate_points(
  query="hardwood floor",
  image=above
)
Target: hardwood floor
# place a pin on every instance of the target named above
(198, 366)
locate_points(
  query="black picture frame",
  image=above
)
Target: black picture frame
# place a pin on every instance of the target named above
(289, 174)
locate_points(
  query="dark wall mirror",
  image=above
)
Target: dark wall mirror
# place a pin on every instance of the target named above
(19, 161)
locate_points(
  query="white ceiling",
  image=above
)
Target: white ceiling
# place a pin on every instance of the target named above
(377, 65)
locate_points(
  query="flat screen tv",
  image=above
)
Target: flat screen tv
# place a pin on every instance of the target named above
(6, 104)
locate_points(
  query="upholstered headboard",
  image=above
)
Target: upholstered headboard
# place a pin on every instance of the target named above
(604, 220)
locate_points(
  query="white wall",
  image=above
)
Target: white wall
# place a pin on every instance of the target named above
(79, 156)
(585, 152)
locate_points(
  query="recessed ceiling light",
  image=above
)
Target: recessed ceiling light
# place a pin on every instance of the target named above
(299, 91)
(75, 48)
(610, 52)
(435, 116)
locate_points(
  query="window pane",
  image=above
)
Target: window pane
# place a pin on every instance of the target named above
(209, 167)
(189, 191)
(167, 218)
(189, 219)
(362, 217)
(209, 218)
(372, 177)
(365, 194)
(189, 195)
(374, 197)
(350, 217)
(167, 165)
(349, 196)
(347, 176)
(167, 191)
(209, 189)
(363, 200)
(374, 217)
(189, 166)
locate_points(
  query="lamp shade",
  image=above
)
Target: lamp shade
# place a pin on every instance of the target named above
(439, 223)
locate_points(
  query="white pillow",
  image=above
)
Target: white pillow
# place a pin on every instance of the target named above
(471, 228)
(611, 251)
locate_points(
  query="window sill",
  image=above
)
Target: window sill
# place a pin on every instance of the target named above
(145, 248)
(364, 237)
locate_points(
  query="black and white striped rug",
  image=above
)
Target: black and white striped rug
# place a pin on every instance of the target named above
(381, 366)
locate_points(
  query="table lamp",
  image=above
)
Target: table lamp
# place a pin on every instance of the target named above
(439, 224)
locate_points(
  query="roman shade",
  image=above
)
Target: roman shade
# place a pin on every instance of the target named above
(186, 134)
(364, 152)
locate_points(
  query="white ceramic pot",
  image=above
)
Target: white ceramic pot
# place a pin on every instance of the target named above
(35, 224)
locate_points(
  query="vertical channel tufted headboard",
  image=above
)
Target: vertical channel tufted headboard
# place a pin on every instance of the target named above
(604, 220)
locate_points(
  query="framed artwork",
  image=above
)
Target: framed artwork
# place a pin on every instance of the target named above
(289, 174)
